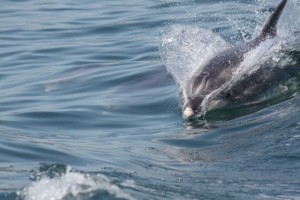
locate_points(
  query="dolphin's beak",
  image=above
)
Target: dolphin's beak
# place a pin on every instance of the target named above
(188, 112)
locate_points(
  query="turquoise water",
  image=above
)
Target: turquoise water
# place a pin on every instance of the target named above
(90, 105)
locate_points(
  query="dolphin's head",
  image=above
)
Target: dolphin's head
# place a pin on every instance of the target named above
(194, 95)
(202, 95)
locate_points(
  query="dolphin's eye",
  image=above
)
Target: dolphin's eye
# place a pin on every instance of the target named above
(228, 95)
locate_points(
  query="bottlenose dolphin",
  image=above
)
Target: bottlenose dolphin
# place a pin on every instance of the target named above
(207, 89)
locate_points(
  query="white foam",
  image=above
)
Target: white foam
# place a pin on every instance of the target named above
(70, 183)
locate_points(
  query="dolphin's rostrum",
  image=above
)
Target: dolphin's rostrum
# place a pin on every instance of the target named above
(206, 91)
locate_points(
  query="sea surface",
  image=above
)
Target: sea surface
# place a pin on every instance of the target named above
(90, 102)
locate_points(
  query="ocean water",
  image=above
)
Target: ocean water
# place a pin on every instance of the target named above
(90, 104)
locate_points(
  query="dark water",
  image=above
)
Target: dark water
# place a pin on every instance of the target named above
(90, 111)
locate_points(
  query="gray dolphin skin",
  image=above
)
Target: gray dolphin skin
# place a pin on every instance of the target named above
(206, 89)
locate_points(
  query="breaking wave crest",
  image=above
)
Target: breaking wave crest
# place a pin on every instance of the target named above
(58, 182)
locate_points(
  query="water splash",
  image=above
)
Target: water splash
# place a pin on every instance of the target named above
(185, 48)
(58, 185)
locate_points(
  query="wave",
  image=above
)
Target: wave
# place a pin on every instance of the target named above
(58, 181)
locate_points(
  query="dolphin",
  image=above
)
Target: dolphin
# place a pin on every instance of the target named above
(208, 89)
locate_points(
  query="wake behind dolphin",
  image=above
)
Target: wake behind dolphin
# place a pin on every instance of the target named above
(211, 86)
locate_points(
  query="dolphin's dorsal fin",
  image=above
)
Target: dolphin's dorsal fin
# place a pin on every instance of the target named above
(270, 28)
